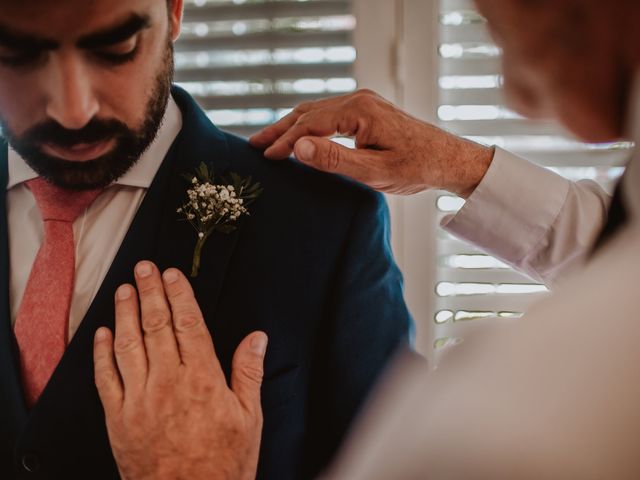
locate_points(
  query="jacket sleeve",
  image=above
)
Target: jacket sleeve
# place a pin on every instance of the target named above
(366, 322)
(531, 218)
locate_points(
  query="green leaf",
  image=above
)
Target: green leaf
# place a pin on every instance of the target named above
(235, 179)
(246, 190)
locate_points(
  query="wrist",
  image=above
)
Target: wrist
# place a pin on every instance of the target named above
(473, 161)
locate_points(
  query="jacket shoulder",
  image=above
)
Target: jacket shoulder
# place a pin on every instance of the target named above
(289, 177)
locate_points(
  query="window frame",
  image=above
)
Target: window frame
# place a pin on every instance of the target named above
(407, 34)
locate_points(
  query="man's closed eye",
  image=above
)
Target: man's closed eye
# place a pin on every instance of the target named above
(119, 53)
(14, 58)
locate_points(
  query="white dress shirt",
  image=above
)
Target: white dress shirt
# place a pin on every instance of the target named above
(531, 218)
(98, 232)
(555, 395)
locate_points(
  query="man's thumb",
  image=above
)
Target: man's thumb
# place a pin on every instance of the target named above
(363, 165)
(247, 369)
(323, 154)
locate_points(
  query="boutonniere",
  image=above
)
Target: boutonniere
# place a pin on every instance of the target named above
(215, 207)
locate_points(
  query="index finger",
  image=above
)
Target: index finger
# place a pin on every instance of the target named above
(268, 136)
(265, 137)
(194, 340)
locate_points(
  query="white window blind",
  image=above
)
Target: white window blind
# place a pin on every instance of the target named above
(469, 284)
(248, 62)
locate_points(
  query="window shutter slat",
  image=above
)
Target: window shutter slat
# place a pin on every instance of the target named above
(487, 275)
(272, 101)
(472, 96)
(266, 41)
(504, 126)
(474, 33)
(218, 11)
(593, 158)
(248, 63)
(494, 303)
(272, 72)
(457, 5)
(472, 66)
(470, 284)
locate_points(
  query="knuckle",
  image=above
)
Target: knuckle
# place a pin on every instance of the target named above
(303, 120)
(270, 131)
(126, 343)
(202, 387)
(252, 372)
(105, 378)
(188, 320)
(155, 320)
(180, 293)
(364, 101)
(302, 108)
(134, 414)
(366, 92)
(146, 289)
(332, 158)
(164, 388)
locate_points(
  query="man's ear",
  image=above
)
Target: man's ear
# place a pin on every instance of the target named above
(175, 17)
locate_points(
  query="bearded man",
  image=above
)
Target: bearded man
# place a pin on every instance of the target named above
(97, 145)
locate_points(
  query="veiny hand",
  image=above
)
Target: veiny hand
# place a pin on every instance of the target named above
(169, 412)
(395, 153)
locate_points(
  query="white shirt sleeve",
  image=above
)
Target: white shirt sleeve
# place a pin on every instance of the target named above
(531, 218)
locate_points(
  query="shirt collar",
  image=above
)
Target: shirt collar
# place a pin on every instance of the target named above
(143, 171)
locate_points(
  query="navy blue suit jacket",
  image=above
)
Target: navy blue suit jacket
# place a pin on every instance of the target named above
(311, 266)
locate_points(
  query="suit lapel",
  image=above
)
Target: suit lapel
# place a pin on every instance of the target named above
(201, 142)
(12, 409)
(155, 234)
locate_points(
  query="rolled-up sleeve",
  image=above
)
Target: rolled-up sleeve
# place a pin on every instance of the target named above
(531, 218)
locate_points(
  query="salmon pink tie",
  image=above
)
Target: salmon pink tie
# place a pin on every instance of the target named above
(42, 324)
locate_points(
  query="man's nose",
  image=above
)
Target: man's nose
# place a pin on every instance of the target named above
(71, 101)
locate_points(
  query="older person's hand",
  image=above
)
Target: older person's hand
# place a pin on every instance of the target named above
(169, 411)
(395, 153)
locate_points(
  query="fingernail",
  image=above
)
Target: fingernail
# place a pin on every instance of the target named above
(144, 269)
(101, 335)
(123, 292)
(305, 150)
(259, 344)
(170, 276)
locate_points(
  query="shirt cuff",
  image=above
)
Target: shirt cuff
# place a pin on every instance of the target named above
(512, 209)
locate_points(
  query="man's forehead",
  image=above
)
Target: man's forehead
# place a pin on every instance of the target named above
(63, 20)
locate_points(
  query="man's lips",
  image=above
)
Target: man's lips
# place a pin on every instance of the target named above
(81, 152)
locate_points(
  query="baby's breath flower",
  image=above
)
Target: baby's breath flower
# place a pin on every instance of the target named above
(215, 207)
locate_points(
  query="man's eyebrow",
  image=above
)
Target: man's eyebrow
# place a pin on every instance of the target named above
(117, 34)
(23, 41)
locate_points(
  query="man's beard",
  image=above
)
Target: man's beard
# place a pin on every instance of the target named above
(102, 171)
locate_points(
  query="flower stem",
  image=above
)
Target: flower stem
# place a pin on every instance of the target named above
(196, 257)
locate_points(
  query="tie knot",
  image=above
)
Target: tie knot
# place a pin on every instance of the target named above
(61, 204)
